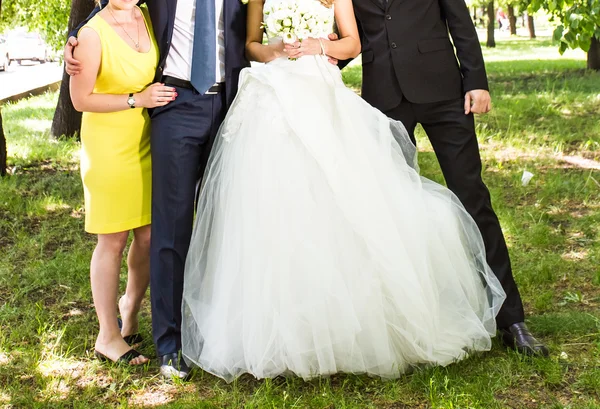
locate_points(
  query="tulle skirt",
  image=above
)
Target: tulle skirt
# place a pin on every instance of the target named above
(319, 249)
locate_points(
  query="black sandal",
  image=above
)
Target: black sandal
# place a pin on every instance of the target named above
(130, 339)
(123, 359)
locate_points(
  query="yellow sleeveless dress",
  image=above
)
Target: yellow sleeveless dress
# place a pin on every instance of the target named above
(116, 167)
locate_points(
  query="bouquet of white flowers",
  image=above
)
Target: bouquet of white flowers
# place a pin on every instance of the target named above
(296, 20)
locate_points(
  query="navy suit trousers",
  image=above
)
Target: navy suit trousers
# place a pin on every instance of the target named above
(182, 136)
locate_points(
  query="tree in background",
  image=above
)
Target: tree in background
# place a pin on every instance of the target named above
(3, 153)
(67, 121)
(49, 18)
(524, 7)
(521, 7)
(491, 24)
(490, 13)
(53, 21)
(531, 26)
(512, 19)
(579, 25)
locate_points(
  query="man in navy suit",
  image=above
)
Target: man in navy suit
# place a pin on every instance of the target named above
(202, 51)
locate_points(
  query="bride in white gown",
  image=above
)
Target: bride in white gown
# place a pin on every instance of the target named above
(317, 247)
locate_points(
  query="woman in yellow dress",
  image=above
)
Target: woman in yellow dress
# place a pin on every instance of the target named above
(118, 57)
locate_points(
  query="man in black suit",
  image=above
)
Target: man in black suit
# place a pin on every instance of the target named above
(413, 73)
(205, 74)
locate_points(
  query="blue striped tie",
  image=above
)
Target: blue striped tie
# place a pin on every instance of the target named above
(205, 48)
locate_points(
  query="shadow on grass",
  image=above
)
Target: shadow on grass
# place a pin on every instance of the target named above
(24, 111)
(29, 143)
(544, 75)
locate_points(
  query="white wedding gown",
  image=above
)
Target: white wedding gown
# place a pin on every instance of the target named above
(319, 249)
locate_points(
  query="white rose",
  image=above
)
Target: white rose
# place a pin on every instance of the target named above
(302, 34)
(289, 38)
(271, 23)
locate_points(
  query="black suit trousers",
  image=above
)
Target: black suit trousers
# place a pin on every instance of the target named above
(452, 135)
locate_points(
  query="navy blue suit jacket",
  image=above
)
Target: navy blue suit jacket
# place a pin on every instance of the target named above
(162, 14)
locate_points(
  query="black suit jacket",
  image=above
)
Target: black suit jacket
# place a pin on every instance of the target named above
(162, 14)
(406, 51)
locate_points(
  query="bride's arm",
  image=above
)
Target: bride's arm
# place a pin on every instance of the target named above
(255, 50)
(347, 47)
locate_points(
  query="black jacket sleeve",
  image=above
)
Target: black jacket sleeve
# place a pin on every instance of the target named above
(466, 42)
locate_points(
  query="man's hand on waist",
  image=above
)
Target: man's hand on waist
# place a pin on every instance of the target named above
(72, 66)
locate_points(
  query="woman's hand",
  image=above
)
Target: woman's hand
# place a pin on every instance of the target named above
(156, 95)
(309, 46)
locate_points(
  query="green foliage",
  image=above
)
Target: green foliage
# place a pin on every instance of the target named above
(49, 18)
(579, 21)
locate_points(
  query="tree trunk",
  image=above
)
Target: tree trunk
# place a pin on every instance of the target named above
(512, 19)
(3, 153)
(593, 57)
(66, 120)
(491, 41)
(531, 26)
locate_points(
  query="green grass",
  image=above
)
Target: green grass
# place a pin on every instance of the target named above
(545, 120)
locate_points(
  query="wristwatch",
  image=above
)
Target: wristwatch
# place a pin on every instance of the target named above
(131, 101)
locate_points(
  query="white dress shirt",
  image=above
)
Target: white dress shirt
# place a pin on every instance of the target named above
(179, 59)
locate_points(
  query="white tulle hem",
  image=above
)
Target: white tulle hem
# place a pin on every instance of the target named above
(319, 249)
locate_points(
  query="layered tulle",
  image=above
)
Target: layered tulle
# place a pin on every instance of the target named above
(319, 249)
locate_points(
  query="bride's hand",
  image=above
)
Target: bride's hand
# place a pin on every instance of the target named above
(309, 46)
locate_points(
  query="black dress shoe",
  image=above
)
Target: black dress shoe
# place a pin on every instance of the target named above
(518, 337)
(173, 366)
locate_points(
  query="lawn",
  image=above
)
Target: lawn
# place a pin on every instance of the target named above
(545, 120)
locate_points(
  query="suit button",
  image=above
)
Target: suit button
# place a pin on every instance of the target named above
(393, 45)
(388, 17)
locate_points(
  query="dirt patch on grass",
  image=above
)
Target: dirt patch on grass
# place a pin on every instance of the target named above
(530, 395)
(158, 395)
(43, 168)
(573, 159)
